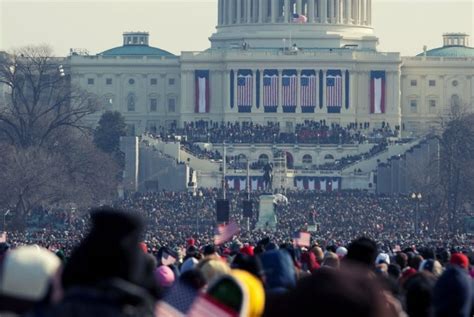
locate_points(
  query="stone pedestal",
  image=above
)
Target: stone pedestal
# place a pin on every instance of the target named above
(266, 218)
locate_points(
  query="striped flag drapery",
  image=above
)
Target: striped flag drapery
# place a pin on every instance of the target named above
(308, 92)
(289, 90)
(334, 91)
(377, 92)
(202, 91)
(270, 90)
(245, 90)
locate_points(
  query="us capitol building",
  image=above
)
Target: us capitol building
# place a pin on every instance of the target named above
(283, 61)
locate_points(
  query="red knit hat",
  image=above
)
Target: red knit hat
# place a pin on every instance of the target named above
(460, 259)
(143, 247)
(247, 250)
(190, 242)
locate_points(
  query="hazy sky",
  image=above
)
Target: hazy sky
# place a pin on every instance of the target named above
(185, 25)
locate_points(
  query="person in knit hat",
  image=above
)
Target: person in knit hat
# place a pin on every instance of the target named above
(460, 260)
(453, 294)
(164, 276)
(27, 280)
(108, 274)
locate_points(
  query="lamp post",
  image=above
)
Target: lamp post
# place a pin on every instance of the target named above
(318, 137)
(416, 198)
(340, 139)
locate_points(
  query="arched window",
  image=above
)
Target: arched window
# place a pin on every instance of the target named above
(241, 158)
(455, 102)
(263, 159)
(108, 102)
(307, 161)
(329, 157)
(131, 101)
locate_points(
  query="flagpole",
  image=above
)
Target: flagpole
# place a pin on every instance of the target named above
(248, 191)
(223, 174)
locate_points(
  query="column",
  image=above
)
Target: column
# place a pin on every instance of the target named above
(356, 12)
(362, 12)
(324, 90)
(287, 11)
(369, 12)
(348, 9)
(226, 97)
(299, 7)
(274, 4)
(311, 11)
(331, 11)
(254, 88)
(338, 11)
(261, 89)
(260, 11)
(224, 12)
(298, 91)
(324, 11)
(239, 11)
(229, 11)
(249, 11)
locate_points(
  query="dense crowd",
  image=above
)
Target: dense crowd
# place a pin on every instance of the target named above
(308, 132)
(365, 261)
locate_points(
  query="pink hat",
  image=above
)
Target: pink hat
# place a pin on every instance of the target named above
(164, 276)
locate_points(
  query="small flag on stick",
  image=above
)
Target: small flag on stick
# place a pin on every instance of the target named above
(225, 233)
(302, 239)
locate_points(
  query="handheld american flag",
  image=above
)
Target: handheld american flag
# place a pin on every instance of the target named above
(226, 232)
(302, 239)
(3, 237)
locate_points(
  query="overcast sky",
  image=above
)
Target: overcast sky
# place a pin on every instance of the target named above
(185, 25)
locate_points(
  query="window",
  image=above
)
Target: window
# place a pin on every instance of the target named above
(171, 105)
(432, 83)
(108, 81)
(263, 159)
(413, 106)
(90, 81)
(131, 81)
(307, 161)
(432, 106)
(413, 83)
(455, 101)
(153, 104)
(171, 81)
(131, 102)
(329, 157)
(154, 81)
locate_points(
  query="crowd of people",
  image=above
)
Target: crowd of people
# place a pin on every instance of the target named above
(308, 132)
(144, 257)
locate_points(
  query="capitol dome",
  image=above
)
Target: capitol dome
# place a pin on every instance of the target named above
(454, 45)
(136, 44)
(310, 24)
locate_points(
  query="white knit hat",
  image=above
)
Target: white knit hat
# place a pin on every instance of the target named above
(27, 273)
(341, 252)
(382, 257)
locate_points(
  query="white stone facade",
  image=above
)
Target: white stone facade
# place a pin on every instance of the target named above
(155, 90)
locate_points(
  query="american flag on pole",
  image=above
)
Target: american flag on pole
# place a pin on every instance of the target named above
(377, 92)
(289, 90)
(202, 91)
(244, 90)
(270, 90)
(302, 239)
(226, 232)
(334, 91)
(308, 89)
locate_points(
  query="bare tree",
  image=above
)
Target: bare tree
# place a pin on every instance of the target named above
(41, 97)
(48, 155)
